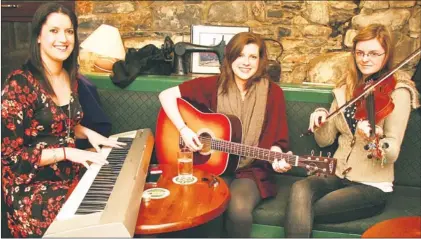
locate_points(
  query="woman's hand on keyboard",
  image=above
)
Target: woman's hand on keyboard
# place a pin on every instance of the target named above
(96, 140)
(83, 156)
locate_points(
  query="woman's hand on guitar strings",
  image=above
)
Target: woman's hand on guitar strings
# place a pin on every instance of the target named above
(280, 166)
(190, 139)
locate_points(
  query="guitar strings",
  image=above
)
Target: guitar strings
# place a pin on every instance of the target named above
(309, 164)
(265, 153)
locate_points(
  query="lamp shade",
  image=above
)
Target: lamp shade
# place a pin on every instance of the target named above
(105, 41)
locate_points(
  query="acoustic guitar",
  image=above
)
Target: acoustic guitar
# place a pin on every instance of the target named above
(220, 135)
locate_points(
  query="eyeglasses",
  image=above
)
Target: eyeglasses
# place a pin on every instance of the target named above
(371, 55)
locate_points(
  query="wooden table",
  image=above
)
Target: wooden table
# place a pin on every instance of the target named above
(396, 227)
(187, 206)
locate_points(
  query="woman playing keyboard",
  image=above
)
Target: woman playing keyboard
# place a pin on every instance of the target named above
(40, 120)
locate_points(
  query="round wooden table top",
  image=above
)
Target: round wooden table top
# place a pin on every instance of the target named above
(186, 206)
(396, 227)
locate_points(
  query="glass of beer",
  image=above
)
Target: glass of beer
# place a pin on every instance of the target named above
(185, 163)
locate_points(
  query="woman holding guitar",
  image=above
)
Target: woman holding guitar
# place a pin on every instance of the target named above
(243, 90)
(364, 177)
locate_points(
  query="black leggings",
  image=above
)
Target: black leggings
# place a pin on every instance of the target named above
(245, 196)
(329, 200)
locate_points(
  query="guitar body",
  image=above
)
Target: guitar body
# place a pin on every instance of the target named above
(214, 125)
(221, 138)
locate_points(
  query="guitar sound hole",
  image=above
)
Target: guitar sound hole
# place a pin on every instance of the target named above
(206, 139)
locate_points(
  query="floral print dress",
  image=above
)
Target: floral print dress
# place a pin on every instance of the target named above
(31, 121)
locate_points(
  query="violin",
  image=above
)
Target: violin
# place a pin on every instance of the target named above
(374, 107)
(377, 104)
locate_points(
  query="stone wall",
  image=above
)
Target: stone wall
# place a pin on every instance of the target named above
(316, 35)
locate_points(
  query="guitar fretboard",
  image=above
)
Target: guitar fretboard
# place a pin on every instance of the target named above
(250, 151)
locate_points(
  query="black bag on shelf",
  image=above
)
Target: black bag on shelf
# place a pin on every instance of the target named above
(148, 60)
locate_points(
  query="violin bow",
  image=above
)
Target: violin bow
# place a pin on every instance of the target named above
(355, 99)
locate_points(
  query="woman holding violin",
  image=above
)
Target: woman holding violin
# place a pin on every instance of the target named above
(366, 155)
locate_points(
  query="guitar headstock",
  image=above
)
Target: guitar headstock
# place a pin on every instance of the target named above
(319, 165)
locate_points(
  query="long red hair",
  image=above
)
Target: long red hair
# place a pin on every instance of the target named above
(354, 77)
(233, 51)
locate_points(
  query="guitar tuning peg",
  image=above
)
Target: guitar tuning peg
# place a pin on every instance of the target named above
(328, 154)
(312, 152)
(320, 154)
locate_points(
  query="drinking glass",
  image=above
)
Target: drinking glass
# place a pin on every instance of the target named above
(185, 163)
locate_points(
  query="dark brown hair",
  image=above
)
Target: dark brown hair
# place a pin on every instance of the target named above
(233, 51)
(34, 63)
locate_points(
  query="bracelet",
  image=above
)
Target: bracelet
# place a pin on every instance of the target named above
(64, 151)
(182, 127)
(54, 156)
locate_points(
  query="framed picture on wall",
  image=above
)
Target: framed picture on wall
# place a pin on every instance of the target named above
(207, 62)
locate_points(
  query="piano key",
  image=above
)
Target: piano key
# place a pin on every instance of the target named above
(98, 193)
(97, 204)
(93, 202)
(105, 179)
(95, 197)
(91, 209)
(110, 175)
(109, 188)
(117, 158)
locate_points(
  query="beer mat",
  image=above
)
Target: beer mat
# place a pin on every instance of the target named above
(183, 180)
(156, 193)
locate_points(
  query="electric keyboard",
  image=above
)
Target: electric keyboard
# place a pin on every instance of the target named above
(106, 201)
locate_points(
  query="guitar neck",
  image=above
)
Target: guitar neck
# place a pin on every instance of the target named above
(253, 152)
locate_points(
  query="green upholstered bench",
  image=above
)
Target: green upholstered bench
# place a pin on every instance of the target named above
(137, 106)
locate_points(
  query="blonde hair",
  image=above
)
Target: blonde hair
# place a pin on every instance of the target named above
(354, 77)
